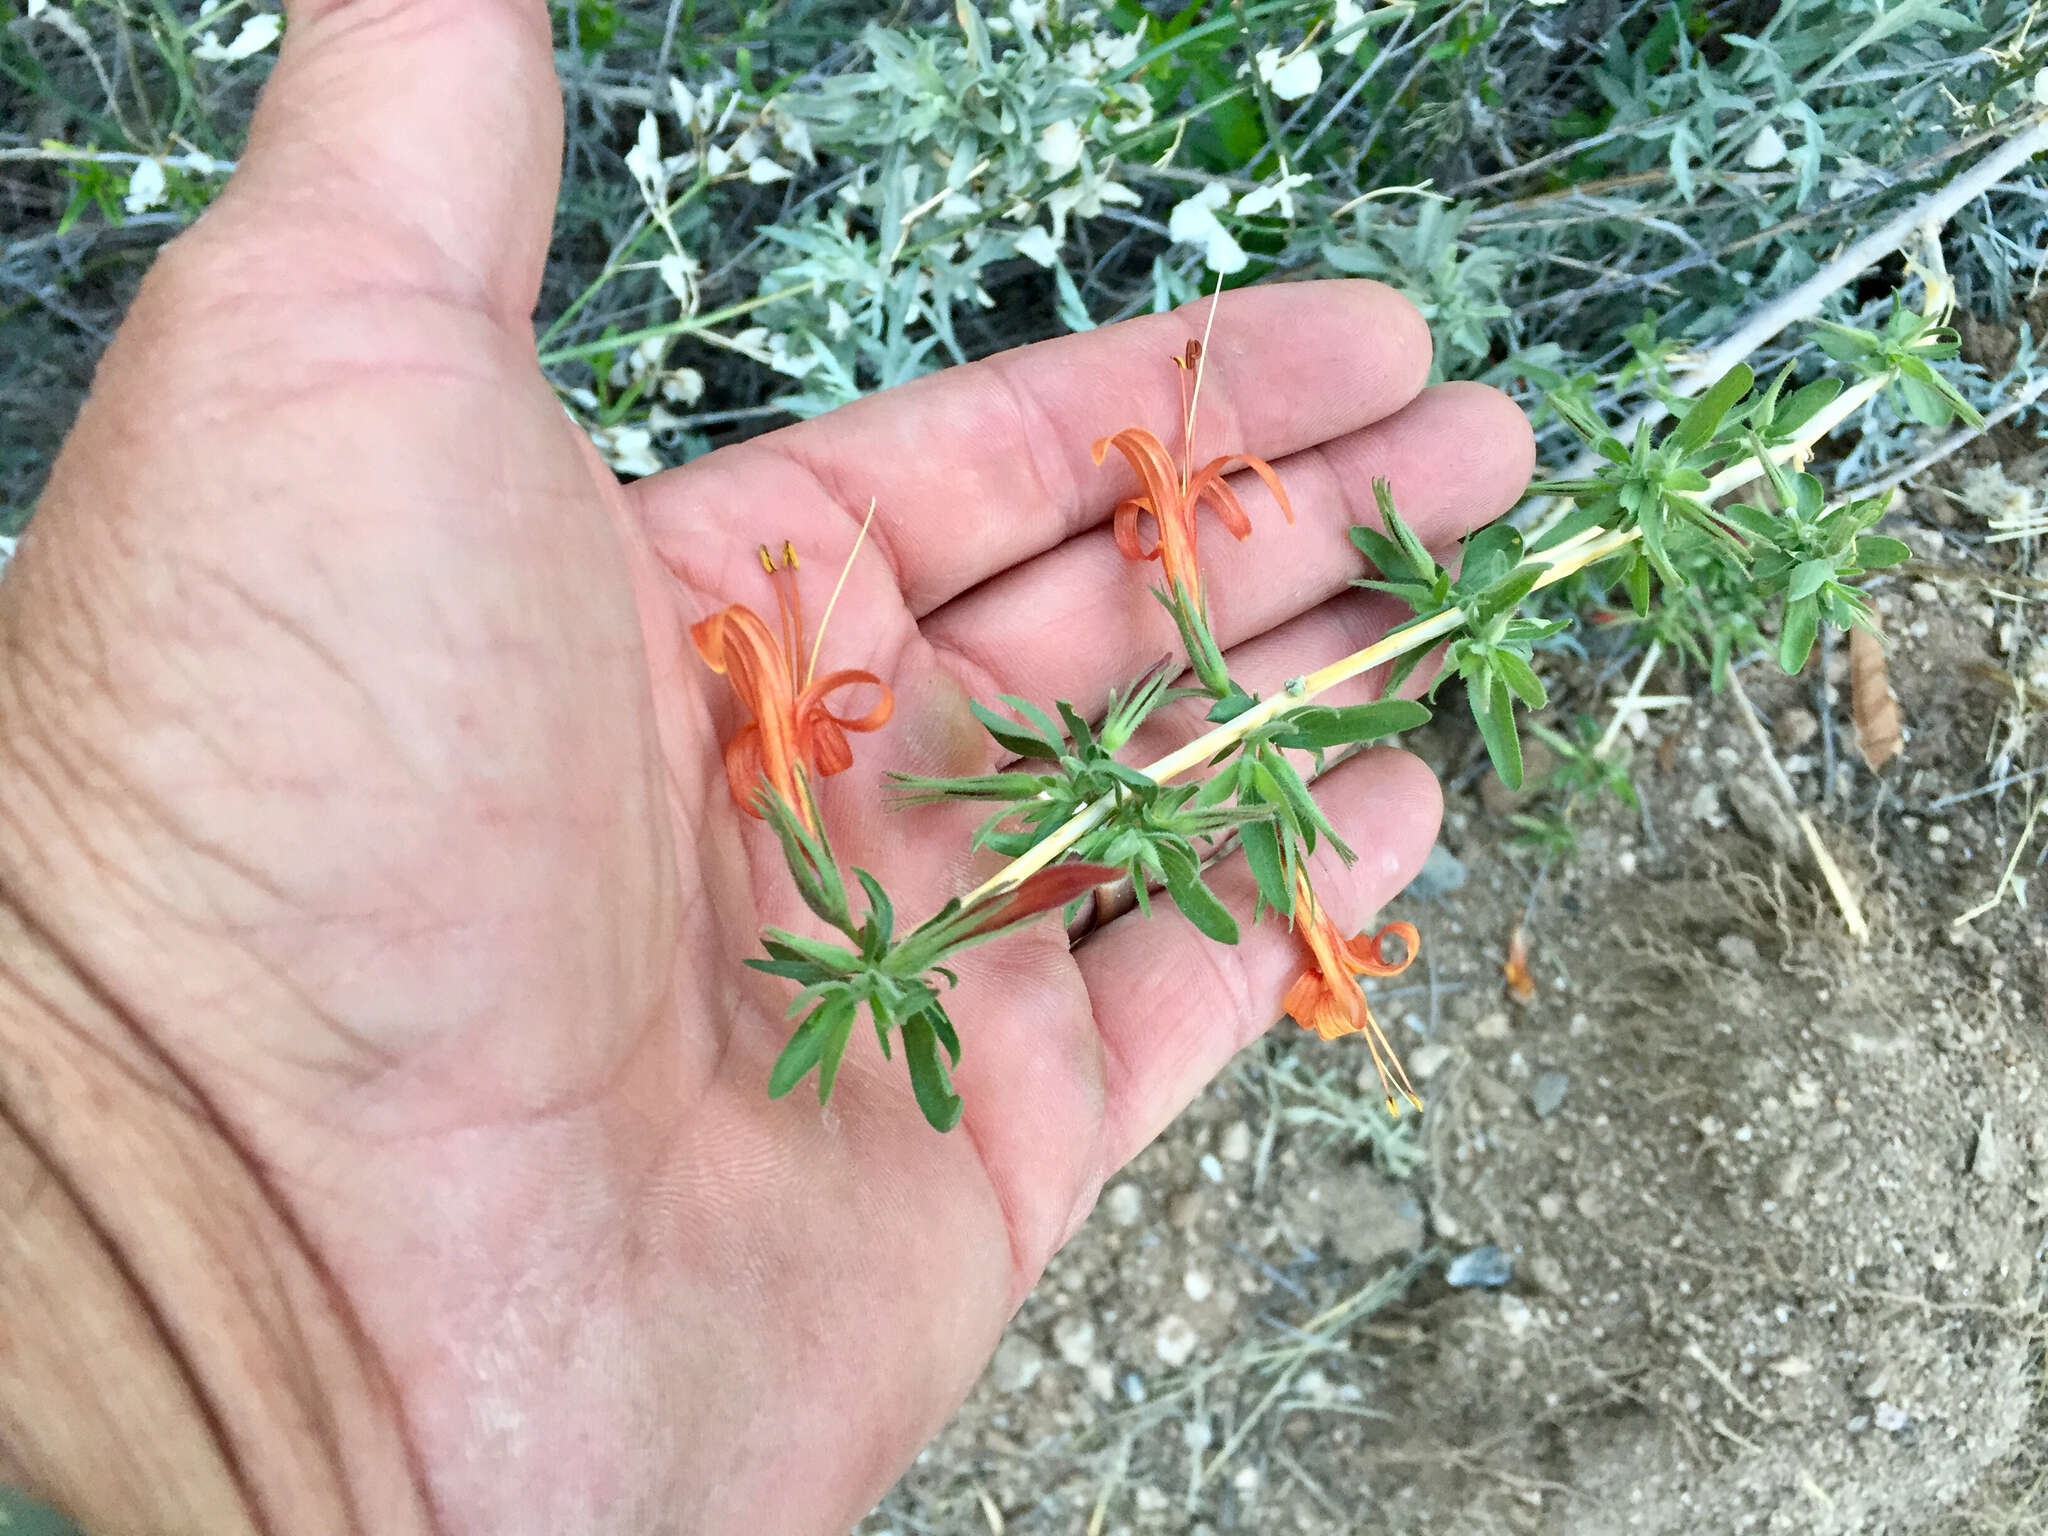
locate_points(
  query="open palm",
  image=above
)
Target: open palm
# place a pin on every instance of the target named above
(380, 792)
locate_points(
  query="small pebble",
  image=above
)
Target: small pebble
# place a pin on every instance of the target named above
(1739, 950)
(1516, 1316)
(1175, 1341)
(1074, 1337)
(1017, 1364)
(1792, 1367)
(1890, 1418)
(1550, 1206)
(1938, 834)
(1198, 1285)
(1794, 728)
(1124, 1204)
(1236, 1145)
(1427, 1060)
(1487, 1266)
(1212, 1169)
(1548, 1092)
(1493, 1027)
(1441, 873)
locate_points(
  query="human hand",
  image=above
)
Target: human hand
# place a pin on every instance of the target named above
(374, 906)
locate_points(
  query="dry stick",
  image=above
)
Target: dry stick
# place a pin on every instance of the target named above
(1564, 559)
(1830, 871)
(1804, 301)
(1950, 444)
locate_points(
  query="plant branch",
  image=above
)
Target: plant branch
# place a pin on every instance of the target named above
(1565, 559)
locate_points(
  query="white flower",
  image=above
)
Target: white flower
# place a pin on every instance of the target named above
(1765, 150)
(145, 186)
(837, 321)
(628, 449)
(644, 160)
(1278, 194)
(679, 271)
(684, 386)
(1028, 16)
(1194, 222)
(1084, 198)
(747, 147)
(1294, 79)
(1346, 18)
(717, 160)
(36, 8)
(1115, 50)
(1059, 146)
(794, 135)
(257, 34)
(1037, 243)
(763, 170)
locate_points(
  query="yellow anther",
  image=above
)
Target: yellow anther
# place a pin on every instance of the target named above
(767, 560)
(789, 554)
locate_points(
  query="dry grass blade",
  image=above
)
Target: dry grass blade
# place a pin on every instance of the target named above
(1872, 705)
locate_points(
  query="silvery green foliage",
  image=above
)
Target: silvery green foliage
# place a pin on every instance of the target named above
(966, 149)
(1456, 286)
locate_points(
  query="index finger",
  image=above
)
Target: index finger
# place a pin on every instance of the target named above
(977, 468)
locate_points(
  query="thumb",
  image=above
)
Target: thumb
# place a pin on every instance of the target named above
(409, 142)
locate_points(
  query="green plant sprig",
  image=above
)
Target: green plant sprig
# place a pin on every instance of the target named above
(1661, 485)
(1071, 814)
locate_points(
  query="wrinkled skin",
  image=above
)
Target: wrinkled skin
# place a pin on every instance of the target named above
(361, 785)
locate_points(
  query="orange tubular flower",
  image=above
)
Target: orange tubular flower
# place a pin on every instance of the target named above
(1172, 495)
(794, 731)
(1327, 998)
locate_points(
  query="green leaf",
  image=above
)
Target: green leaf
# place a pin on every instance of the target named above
(1808, 579)
(879, 905)
(1198, 904)
(1494, 710)
(1262, 854)
(1698, 426)
(1230, 706)
(807, 1046)
(1490, 554)
(1315, 727)
(1802, 624)
(1637, 579)
(929, 1079)
(1803, 405)
(1014, 738)
(1875, 551)
(1520, 677)
(833, 1046)
(1387, 556)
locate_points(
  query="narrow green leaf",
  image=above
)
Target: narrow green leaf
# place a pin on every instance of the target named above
(1697, 427)
(805, 1047)
(1198, 904)
(1269, 869)
(1316, 727)
(1637, 579)
(1802, 406)
(1809, 578)
(879, 905)
(1013, 737)
(929, 1079)
(833, 1046)
(1387, 556)
(1795, 642)
(1230, 706)
(1494, 710)
(1520, 677)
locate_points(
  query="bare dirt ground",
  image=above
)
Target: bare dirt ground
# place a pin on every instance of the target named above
(1745, 1220)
